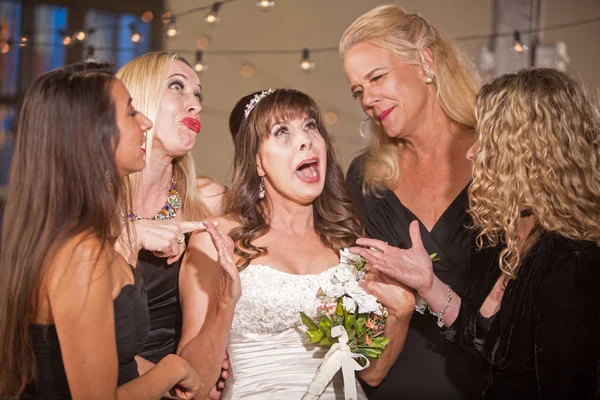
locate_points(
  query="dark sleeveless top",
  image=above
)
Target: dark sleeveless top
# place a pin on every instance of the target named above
(131, 327)
(429, 367)
(162, 286)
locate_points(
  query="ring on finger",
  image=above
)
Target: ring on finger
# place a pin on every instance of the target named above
(180, 239)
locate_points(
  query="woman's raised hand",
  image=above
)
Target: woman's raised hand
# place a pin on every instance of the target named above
(230, 287)
(412, 267)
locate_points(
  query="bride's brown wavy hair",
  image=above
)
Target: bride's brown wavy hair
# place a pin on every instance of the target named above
(335, 218)
(539, 150)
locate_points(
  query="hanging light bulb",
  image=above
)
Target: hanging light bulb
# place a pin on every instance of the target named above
(172, 31)
(331, 118)
(5, 46)
(80, 36)
(518, 46)
(135, 35)
(166, 17)
(66, 40)
(202, 42)
(246, 71)
(24, 40)
(265, 5)
(213, 15)
(306, 64)
(147, 17)
(199, 66)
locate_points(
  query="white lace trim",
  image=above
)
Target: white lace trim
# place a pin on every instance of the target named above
(272, 300)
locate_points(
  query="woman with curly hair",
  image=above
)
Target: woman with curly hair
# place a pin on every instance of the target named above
(289, 214)
(530, 311)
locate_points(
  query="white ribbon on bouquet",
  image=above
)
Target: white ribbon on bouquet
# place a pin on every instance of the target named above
(338, 356)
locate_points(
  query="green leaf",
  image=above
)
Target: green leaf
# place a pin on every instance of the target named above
(434, 257)
(308, 322)
(315, 335)
(325, 326)
(349, 322)
(327, 341)
(380, 342)
(369, 352)
(339, 310)
(360, 325)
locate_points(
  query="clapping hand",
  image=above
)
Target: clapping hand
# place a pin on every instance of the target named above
(411, 267)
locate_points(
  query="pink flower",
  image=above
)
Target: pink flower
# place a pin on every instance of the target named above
(371, 324)
(368, 340)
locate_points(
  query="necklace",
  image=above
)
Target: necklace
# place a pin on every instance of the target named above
(169, 210)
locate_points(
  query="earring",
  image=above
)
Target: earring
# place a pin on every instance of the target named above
(261, 188)
(429, 79)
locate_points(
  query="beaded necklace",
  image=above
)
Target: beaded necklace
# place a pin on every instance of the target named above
(169, 210)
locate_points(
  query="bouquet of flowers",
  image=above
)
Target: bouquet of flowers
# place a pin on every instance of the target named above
(350, 323)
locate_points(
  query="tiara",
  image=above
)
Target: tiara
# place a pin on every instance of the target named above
(255, 100)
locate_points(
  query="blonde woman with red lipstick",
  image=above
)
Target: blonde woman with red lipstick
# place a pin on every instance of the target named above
(418, 92)
(168, 201)
(288, 213)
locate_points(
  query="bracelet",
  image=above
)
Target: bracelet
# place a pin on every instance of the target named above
(440, 315)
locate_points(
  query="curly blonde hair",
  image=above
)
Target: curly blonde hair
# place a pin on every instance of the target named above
(407, 35)
(539, 151)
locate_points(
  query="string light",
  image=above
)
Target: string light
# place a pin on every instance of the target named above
(166, 17)
(147, 17)
(306, 64)
(265, 5)
(80, 36)
(331, 118)
(213, 16)
(199, 66)
(246, 71)
(5, 46)
(518, 46)
(135, 35)
(172, 31)
(66, 40)
(24, 40)
(202, 42)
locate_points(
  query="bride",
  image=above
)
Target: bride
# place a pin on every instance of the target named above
(289, 214)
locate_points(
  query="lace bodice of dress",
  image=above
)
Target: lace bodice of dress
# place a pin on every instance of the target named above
(271, 300)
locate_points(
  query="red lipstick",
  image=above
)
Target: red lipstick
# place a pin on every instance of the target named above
(384, 114)
(192, 124)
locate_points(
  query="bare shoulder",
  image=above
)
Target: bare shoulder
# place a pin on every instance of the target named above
(209, 187)
(81, 260)
(212, 194)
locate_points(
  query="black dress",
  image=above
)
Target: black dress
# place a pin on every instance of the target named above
(429, 366)
(131, 328)
(544, 342)
(162, 285)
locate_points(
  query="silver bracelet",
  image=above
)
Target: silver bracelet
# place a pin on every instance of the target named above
(440, 315)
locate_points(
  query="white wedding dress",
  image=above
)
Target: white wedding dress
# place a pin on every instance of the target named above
(271, 355)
